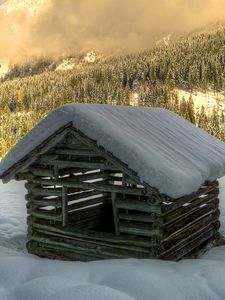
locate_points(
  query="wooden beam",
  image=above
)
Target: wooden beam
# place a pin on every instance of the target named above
(79, 164)
(64, 207)
(115, 161)
(137, 205)
(115, 213)
(33, 155)
(75, 152)
(99, 186)
(95, 235)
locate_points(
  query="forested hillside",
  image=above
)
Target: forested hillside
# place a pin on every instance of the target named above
(197, 61)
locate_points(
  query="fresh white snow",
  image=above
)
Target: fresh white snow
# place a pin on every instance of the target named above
(165, 150)
(26, 277)
(209, 99)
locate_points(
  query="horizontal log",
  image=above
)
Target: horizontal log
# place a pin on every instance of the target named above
(79, 164)
(23, 176)
(89, 249)
(89, 176)
(192, 244)
(188, 199)
(181, 234)
(52, 253)
(86, 203)
(95, 185)
(68, 171)
(46, 215)
(48, 202)
(137, 205)
(115, 161)
(94, 235)
(193, 206)
(45, 192)
(139, 229)
(93, 244)
(49, 157)
(85, 194)
(45, 172)
(76, 152)
(184, 239)
(141, 217)
(191, 218)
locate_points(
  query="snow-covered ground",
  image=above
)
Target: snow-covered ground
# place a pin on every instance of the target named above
(26, 277)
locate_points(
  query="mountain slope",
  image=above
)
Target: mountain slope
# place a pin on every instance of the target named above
(152, 78)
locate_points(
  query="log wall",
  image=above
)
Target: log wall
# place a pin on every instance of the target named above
(82, 206)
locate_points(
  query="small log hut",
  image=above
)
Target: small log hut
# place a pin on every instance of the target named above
(84, 203)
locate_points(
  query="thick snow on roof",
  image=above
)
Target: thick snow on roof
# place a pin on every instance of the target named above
(166, 151)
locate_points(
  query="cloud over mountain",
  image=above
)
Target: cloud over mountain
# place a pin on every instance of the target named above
(107, 25)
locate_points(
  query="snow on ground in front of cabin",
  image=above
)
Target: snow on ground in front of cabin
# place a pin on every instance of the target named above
(26, 277)
(209, 99)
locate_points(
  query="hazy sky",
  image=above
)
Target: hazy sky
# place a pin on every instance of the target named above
(103, 25)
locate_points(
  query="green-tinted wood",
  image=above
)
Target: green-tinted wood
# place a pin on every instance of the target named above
(95, 236)
(115, 213)
(76, 152)
(137, 205)
(97, 186)
(64, 207)
(141, 229)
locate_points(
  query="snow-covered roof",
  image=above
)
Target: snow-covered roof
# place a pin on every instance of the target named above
(167, 152)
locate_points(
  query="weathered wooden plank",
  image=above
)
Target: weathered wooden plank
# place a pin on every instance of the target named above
(95, 185)
(115, 213)
(45, 192)
(139, 229)
(64, 207)
(76, 152)
(86, 194)
(182, 233)
(46, 215)
(89, 176)
(45, 172)
(190, 198)
(192, 243)
(193, 206)
(89, 249)
(115, 161)
(52, 253)
(79, 164)
(23, 176)
(83, 215)
(87, 203)
(34, 154)
(95, 235)
(191, 218)
(141, 217)
(47, 202)
(137, 205)
(49, 157)
(68, 171)
(93, 244)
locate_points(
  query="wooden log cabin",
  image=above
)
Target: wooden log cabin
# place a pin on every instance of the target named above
(116, 182)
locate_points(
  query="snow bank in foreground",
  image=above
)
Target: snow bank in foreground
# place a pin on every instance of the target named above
(26, 277)
(165, 150)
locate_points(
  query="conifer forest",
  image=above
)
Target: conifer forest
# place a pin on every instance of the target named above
(150, 78)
